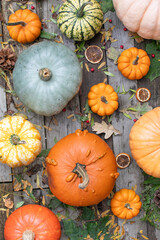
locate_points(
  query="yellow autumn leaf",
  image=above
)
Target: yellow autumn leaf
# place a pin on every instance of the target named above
(43, 200)
(144, 237)
(7, 213)
(37, 181)
(70, 116)
(52, 9)
(87, 68)
(48, 128)
(102, 65)
(105, 20)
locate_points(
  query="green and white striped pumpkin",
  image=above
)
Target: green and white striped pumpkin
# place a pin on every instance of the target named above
(80, 19)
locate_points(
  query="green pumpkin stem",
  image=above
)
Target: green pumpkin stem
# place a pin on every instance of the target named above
(81, 172)
(16, 23)
(28, 235)
(103, 99)
(127, 205)
(45, 74)
(80, 11)
(15, 140)
(135, 62)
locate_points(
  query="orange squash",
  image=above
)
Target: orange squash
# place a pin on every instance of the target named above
(102, 99)
(81, 169)
(144, 141)
(125, 204)
(24, 26)
(134, 63)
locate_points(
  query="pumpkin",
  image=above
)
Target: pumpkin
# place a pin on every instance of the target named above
(102, 99)
(125, 204)
(144, 141)
(24, 26)
(46, 77)
(80, 19)
(141, 16)
(20, 141)
(32, 222)
(134, 63)
(81, 169)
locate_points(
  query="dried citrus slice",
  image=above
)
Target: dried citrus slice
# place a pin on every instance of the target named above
(94, 54)
(143, 94)
(123, 160)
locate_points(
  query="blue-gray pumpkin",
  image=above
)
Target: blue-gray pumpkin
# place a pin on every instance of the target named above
(46, 77)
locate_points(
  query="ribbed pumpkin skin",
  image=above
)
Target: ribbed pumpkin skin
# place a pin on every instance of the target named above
(144, 141)
(42, 221)
(20, 154)
(131, 70)
(141, 16)
(90, 150)
(80, 28)
(47, 97)
(27, 33)
(122, 201)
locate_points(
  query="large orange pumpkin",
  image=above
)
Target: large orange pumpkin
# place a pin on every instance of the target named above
(32, 222)
(144, 141)
(81, 169)
(24, 26)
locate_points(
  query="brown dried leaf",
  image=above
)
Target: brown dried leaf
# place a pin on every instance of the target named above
(17, 187)
(36, 168)
(123, 231)
(1, 17)
(7, 213)
(105, 213)
(137, 38)
(103, 127)
(102, 65)
(48, 128)
(87, 68)
(55, 120)
(70, 116)
(8, 203)
(43, 200)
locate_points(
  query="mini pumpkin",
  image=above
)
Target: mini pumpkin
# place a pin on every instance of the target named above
(134, 63)
(102, 99)
(144, 142)
(24, 26)
(141, 16)
(46, 77)
(20, 141)
(81, 169)
(125, 204)
(31, 222)
(80, 19)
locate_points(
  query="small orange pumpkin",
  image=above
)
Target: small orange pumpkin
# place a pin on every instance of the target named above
(81, 169)
(102, 99)
(144, 142)
(125, 204)
(24, 26)
(134, 63)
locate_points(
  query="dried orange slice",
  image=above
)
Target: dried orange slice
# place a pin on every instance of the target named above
(94, 54)
(123, 160)
(143, 94)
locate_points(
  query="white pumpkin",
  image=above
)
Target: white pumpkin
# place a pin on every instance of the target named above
(141, 16)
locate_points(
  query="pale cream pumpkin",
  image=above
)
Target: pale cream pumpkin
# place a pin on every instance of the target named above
(141, 16)
(20, 141)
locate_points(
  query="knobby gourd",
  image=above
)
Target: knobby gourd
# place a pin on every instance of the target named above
(141, 16)
(102, 99)
(144, 141)
(134, 63)
(46, 77)
(125, 204)
(80, 19)
(32, 222)
(20, 141)
(24, 26)
(81, 169)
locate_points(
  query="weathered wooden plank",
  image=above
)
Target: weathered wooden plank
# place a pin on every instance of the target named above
(132, 175)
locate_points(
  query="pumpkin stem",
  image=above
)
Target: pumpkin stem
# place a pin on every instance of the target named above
(103, 99)
(81, 172)
(80, 11)
(28, 235)
(15, 140)
(127, 205)
(135, 62)
(45, 74)
(16, 23)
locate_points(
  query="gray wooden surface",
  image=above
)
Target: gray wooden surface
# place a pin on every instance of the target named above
(60, 125)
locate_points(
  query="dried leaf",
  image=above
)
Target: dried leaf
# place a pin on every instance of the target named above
(43, 200)
(123, 231)
(48, 128)
(102, 65)
(105, 20)
(52, 9)
(144, 237)
(8, 203)
(7, 213)
(21, 115)
(113, 53)
(37, 181)
(134, 188)
(105, 213)
(87, 68)
(17, 187)
(103, 127)
(137, 38)
(70, 116)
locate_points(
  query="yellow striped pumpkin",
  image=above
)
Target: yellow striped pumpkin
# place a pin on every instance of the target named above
(80, 19)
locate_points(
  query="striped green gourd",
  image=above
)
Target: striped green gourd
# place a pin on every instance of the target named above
(80, 19)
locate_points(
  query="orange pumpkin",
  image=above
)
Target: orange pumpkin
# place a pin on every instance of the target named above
(81, 169)
(24, 26)
(32, 222)
(144, 141)
(125, 204)
(102, 99)
(134, 63)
